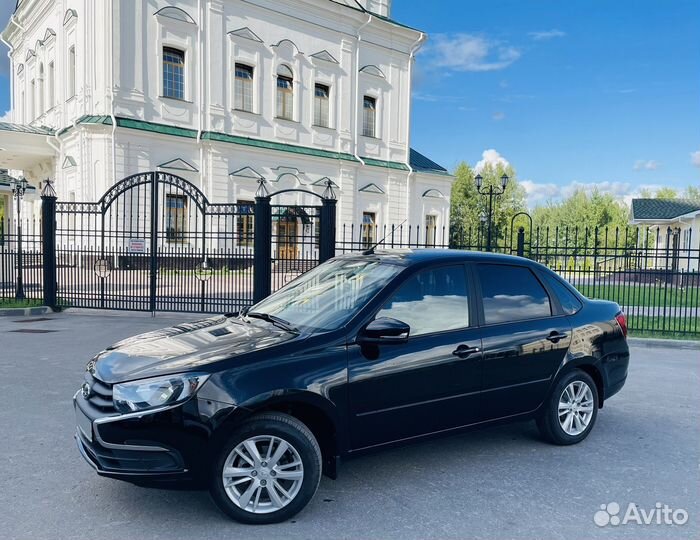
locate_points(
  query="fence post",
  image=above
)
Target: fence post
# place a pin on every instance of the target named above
(48, 243)
(521, 242)
(262, 247)
(326, 248)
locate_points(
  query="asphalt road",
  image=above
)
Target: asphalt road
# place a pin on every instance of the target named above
(499, 483)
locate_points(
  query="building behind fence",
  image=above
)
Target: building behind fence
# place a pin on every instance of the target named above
(651, 272)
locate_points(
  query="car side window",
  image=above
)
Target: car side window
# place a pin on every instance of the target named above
(430, 301)
(512, 293)
(569, 303)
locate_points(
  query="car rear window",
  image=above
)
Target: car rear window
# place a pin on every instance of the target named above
(569, 303)
(511, 293)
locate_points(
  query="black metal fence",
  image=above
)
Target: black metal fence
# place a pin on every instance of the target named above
(21, 277)
(653, 273)
(155, 243)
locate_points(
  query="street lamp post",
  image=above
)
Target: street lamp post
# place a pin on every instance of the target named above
(491, 192)
(18, 189)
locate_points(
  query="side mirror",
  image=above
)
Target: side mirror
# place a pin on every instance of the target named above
(384, 331)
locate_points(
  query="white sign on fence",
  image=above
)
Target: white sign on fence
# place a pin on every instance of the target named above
(137, 245)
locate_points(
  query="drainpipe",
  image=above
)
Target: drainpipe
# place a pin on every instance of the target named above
(411, 172)
(111, 97)
(357, 87)
(202, 107)
(13, 20)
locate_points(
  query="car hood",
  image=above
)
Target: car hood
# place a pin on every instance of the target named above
(185, 347)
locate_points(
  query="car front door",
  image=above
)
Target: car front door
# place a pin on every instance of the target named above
(524, 340)
(428, 383)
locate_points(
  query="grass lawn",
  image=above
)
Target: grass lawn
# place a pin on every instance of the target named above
(12, 303)
(642, 295)
(664, 327)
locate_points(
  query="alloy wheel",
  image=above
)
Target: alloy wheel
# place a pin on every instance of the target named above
(575, 408)
(263, 474)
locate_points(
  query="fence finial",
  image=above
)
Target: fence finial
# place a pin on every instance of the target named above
(262, 189)
(328, 193)
(48, 190)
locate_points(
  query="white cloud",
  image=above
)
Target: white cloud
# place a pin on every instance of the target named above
(546, 34)
(646, 165)
(491, 157)
(467, 52)
(5, 117)
(695, 158)
(498, 115)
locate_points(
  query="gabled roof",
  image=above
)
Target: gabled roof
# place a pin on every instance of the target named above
(6, 180)
(420, 163)
(245, 33)
(178, 164)
(662, 209)
(325, 56)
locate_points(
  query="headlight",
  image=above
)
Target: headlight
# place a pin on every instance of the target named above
(157, 392)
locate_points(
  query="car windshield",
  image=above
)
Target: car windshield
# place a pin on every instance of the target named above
(328, 296)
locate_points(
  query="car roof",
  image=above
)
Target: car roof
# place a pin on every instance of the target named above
(420, 256)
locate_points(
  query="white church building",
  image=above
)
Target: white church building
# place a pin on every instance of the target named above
(222, 93)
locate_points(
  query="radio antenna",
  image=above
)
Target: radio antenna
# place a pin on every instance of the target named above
(370, 251)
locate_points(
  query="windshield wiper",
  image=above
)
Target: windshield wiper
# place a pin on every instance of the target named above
(280, 323)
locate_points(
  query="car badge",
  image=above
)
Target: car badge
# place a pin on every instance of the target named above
(85, 389)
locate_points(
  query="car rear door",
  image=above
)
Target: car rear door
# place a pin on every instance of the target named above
(524, 338)
(429, 383)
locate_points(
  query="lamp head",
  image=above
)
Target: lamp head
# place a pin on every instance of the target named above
(479, 181)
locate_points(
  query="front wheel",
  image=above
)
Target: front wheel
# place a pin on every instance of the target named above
(570, 412)
(267, 471)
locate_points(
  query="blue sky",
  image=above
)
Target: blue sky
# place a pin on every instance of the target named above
(570, 92)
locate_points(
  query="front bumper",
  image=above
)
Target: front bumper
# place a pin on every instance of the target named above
(129, 464)
(160, 445)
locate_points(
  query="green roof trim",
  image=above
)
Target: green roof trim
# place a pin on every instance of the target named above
(92, 119)
(385, 164)
(418, 162)
(152, 127)
(422, 164)
(270, 145)
(23, 128)
(375, 15)
(662, 209)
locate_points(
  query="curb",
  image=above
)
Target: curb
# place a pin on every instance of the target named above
(175, 315)
(25, 312)
(664, 343)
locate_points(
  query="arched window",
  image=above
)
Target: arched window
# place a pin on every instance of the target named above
(285, 93)
(173, 73)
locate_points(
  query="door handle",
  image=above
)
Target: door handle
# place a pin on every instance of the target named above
(463, 351)
(555, 337)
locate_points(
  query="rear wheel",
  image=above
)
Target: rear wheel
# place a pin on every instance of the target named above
(267, 471)
(571, 411)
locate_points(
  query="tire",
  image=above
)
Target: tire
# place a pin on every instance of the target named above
(577, 419)
(271, 492)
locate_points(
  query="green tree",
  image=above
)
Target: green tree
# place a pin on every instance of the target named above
(692, 193)
(567, 221)
(469, 209)
(666, 193)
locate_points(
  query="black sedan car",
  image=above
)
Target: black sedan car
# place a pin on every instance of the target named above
(362, 352)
